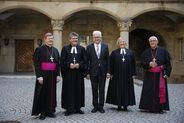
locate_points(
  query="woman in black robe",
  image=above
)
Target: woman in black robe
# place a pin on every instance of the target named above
(73, 69)
(122, 69)
(156, 62)
(46, 63)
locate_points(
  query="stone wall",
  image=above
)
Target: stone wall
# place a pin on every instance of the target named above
(85, 25)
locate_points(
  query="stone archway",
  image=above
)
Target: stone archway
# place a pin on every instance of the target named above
(139, 42)
(20, 25)
(167, 26)
(86, 21)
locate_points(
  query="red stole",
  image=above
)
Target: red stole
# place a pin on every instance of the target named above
(162, 89)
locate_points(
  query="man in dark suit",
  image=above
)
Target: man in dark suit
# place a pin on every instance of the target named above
(98, 70)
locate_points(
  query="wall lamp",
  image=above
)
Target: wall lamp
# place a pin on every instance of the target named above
(6, 41)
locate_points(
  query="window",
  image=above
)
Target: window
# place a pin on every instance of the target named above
(84, 40)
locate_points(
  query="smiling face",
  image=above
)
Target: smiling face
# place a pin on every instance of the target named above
(122, 43)
(153, 42)
(73, 40)
(97, 37)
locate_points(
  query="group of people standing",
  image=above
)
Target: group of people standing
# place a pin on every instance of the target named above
(94, 63)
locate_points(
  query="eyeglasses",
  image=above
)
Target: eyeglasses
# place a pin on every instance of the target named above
(50, 37)
(74, 38)
(96, 37)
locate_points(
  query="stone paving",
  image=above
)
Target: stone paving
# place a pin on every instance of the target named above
(16, 97)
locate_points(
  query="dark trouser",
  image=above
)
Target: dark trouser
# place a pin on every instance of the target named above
(98, 89)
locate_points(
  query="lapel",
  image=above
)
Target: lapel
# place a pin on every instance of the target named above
(94, 51)
(102, 49)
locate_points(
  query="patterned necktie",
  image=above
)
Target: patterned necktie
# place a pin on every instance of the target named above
(98, 51)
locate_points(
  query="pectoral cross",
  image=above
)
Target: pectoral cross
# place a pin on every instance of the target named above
(123, 59)
(74, 60)
(51, 58)
(154, 60)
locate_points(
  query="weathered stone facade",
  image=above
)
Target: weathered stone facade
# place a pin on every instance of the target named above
(134, 20)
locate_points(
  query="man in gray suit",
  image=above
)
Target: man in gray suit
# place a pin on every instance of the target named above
(98, 70)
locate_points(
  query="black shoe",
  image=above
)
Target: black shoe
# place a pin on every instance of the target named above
(80, 111)
(101, 110)
(161, 111)
(119, 108)
(125, 109)
(157, 112)
(94, 110)
(67, 113)
(52, 115)
(42, 117)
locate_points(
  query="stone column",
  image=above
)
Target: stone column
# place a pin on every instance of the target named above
(57, 26)
(124, 30)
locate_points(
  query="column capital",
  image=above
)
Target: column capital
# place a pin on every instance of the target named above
(57, 24)
(124, 25)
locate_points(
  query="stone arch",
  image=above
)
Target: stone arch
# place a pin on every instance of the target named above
(166, 23)
(86, 21)
(23, 27)
(139, 40)
(25, 7)
(107, 12)
(157, 9)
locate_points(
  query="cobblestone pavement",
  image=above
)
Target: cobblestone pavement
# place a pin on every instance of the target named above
(16, 97)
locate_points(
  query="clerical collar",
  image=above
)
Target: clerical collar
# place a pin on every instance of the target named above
(154, 49)
(122, 51)
(73, 50)
(48, 46)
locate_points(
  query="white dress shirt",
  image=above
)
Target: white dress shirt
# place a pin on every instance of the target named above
(99, 49)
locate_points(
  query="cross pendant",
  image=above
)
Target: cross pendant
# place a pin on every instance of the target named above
(154, 60)
(74, 60)
(123, 59)
(51, 58)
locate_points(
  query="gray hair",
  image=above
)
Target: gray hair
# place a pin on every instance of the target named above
(153, 38)
(73, 34)
(97, 33)
(119, 39)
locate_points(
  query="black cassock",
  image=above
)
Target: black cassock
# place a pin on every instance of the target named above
(150, 92)
(73, 79)
(45, 94)
(121, 86)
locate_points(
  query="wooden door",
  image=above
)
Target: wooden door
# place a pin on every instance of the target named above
(23, 52)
